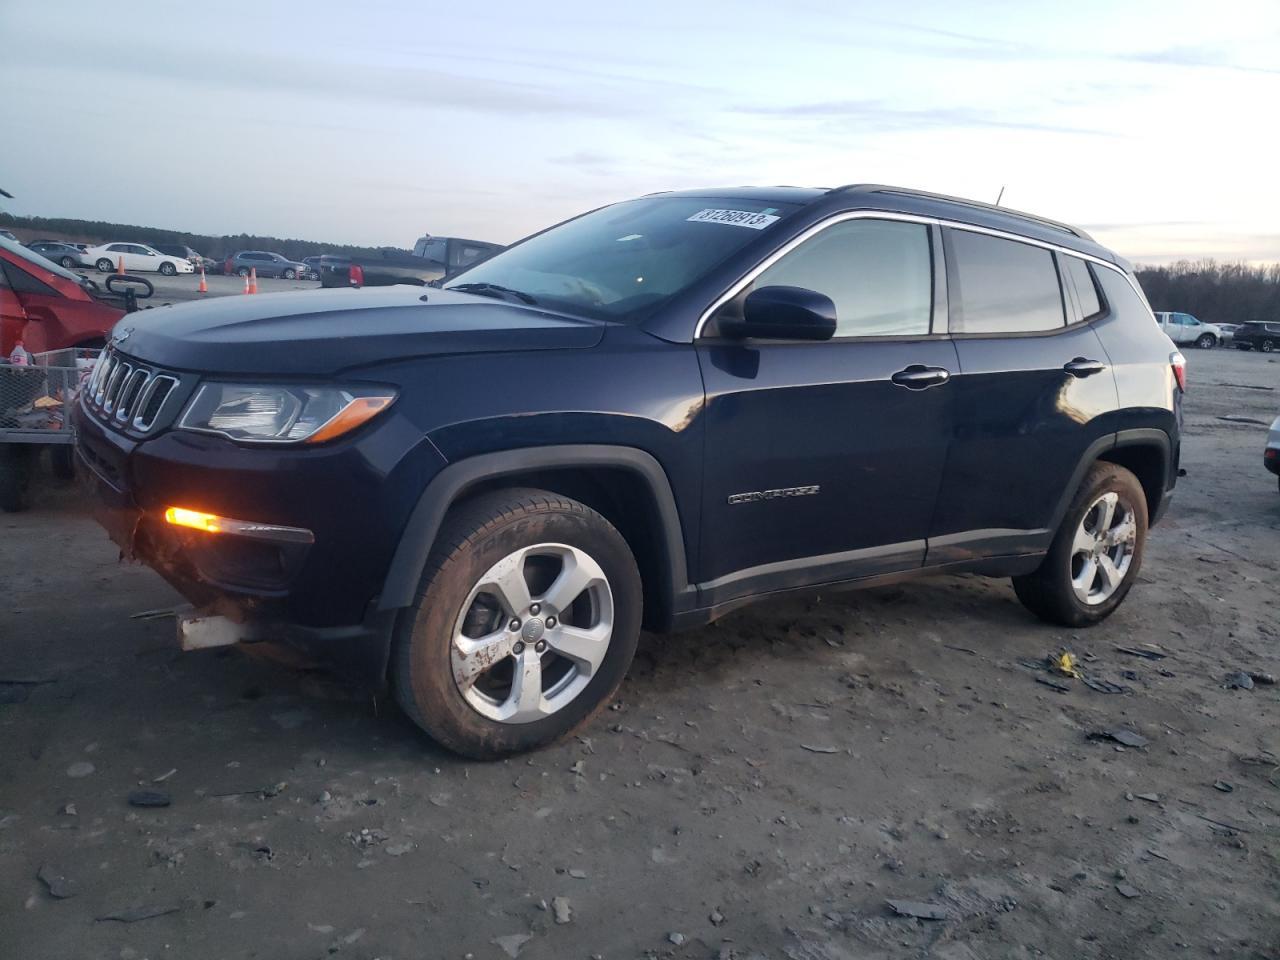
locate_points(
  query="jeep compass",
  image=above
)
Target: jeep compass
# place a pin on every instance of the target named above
(645, 416)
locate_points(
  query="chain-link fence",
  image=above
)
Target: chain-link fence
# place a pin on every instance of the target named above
(36, 398)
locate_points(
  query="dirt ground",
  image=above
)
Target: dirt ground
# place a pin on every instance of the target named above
(762, 789)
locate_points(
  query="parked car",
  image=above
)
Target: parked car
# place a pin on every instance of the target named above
(8, 235)
(313, 268)
(1271, 453)
(266, 263)
(138, 258)
(63, 254)
(433, 259)
(46, 306)
(1257, 335)
(721, 395)
(195, 257)
(1184, 328)
(1228, 331)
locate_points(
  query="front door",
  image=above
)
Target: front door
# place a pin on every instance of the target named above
(823, 459)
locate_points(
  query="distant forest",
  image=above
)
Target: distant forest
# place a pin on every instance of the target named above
(100, 231)
(1214, 292)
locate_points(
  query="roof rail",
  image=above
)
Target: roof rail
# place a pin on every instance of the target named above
(961, 201)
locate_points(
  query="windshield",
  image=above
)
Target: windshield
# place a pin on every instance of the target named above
(32, 257)
(622, 260)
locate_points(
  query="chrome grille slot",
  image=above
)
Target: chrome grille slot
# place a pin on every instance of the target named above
(116, 384)
(130, 393)
(152, 401)
(108, 365)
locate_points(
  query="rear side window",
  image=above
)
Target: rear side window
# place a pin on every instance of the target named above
(879, 273)
(1080, 277)
(1002, 286)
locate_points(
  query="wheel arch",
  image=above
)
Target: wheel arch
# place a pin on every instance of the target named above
(1147, 452)
(626, 485)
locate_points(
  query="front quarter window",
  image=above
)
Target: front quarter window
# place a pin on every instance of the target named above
(623, 260)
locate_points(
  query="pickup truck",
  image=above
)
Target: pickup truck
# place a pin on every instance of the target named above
(433, 258)
(1184, 328)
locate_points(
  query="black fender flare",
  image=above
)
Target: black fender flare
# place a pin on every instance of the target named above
(1139, 436)
(419, 536)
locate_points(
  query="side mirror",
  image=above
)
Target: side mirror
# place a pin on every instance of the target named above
(784, 313)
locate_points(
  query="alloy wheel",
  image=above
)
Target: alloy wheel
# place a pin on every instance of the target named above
(1102, 550)
(532, 633)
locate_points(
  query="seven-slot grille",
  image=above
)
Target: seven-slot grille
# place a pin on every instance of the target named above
(127, 393)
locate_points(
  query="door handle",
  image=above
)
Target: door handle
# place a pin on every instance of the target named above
(1080, 367)
(919, 377)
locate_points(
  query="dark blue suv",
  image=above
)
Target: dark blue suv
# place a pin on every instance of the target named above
(647, 415)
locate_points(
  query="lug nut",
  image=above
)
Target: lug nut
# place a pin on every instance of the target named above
(535, 608)
(518, 648)
(540, 646)
(514, 625)
(551, 623)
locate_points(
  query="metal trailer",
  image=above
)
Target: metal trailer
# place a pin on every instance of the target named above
(35, 412)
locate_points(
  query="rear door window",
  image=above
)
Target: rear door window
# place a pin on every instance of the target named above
(1080, 276)
(1001, 286)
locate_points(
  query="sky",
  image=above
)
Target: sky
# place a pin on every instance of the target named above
(1151, 124)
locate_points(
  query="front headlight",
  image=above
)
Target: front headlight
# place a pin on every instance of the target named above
(282, 413)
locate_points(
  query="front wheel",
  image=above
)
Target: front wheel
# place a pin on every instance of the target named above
(1206, 341)
(242, 272)
(168, 269)
(289, 275)
(1095, 555)
(524, 626)
(1268, 346)
(104, 265)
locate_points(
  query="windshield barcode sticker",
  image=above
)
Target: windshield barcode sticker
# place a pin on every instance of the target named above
(735, 218)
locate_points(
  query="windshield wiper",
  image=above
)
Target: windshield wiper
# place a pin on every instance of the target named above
(494, 290)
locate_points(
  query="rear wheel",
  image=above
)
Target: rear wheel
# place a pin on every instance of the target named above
(104, 265)
(526, 621)
(62, 461)
(69, 262)
(1206, 341)
(1095, 555)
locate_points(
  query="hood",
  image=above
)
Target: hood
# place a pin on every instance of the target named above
(322, 332)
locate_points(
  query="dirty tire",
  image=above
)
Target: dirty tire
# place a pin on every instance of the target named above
(15, 477)
(474, 537)
(1048, 591)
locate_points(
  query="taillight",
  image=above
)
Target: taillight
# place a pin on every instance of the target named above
(1179, 365)
(356, 275)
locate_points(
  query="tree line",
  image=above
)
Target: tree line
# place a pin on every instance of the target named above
(102, 231)
(1214, 292)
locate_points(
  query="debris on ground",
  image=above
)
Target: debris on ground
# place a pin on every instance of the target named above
(1054, 684)
(716, 917)
(679, 939)
(1146, 652)
(59, 887)
(919, 910)
(1238, 681)
(1065, 664)
(144, 912)
(1223, 786)
(1104, 686)
(560, 907)
(1149, 797)
(149, 798)
(164, 776)
(80, 769)
(819, 749)
(1126, 737)
(1265, 679)
(511, 944)
(1127, 891)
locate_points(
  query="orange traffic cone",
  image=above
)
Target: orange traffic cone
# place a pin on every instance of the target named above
(120, 264)
(204, 287)
(253, 279)
(246, 284)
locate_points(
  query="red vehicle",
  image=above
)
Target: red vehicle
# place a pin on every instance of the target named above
(48, 307)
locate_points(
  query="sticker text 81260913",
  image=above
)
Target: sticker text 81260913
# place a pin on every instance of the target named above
(734, 218)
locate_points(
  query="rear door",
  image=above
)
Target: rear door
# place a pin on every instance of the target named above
(1032, 395)
(823, 459)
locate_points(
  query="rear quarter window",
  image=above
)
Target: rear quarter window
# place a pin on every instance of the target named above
(1001, 286)
(1080, 276)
